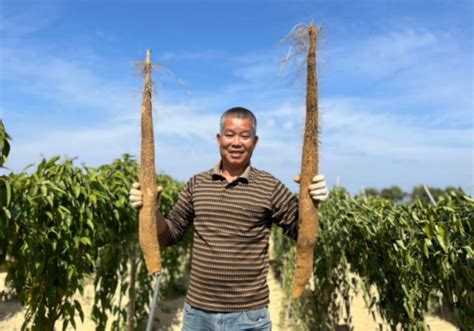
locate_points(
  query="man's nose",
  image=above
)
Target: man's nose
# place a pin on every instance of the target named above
(236, 141)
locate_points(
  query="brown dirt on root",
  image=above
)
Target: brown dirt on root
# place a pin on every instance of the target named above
(147, 231)
(308, 210)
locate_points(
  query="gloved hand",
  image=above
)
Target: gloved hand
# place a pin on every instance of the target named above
(136, 196)
(318, 188)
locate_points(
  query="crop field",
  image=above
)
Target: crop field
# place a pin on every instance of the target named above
(69, 253)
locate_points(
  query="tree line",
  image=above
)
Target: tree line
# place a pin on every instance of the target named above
(418, 193)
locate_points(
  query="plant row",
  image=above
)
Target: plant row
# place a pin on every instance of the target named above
(66, 225)
(409, 253)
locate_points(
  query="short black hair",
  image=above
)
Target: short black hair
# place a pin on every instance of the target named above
(240, 112)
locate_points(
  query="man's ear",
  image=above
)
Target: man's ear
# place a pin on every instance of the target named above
(256, 140)
(218, 138)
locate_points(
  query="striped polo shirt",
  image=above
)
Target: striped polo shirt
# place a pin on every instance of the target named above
(232, 222)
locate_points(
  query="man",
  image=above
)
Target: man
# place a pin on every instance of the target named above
(232, 207)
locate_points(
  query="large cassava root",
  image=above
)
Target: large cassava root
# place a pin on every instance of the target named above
(308, 210)
(147, 229)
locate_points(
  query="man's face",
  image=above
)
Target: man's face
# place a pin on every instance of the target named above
(236, 142)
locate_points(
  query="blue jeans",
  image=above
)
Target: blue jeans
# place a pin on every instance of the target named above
(201, 320)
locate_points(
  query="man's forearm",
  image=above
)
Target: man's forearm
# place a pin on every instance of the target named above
(164, 234)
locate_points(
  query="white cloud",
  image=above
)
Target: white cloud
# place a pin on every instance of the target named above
(422, 65)
(398, 44)
(380, 55)
(63, 81)
(355, 125)
(105, 142)
(16, 24)
(257, 71)
(206, 55)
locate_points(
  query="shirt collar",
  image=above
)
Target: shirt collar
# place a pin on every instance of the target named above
(216, 172)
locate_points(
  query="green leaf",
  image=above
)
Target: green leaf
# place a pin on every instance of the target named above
(401, 244)
(39, 265)
(24, 248)
(405, 291)
(442, 231)
(44, 190)
(426, 245)
(470, 252)
(77, 191)
(70, 273)
(86, 241)
(409, 310)
(51, 162)
(78, 307)
(64, 209)
(6, 191)
(441, 236)
(90, 224)
(428, 231)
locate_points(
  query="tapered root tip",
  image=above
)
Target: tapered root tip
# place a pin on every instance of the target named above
(148, 56)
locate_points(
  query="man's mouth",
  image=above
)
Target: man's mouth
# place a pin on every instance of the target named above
(236, 154)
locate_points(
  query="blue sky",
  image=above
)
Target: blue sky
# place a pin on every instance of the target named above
(395, 85)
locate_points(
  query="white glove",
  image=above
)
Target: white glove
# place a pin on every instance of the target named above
(318, 188)
(136, 196)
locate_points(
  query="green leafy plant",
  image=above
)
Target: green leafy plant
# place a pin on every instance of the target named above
(51, 241)
(72, 224)
(409, 253)
(5, 193)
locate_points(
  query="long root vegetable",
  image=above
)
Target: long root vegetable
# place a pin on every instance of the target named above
(148, 233)
(308, 210)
